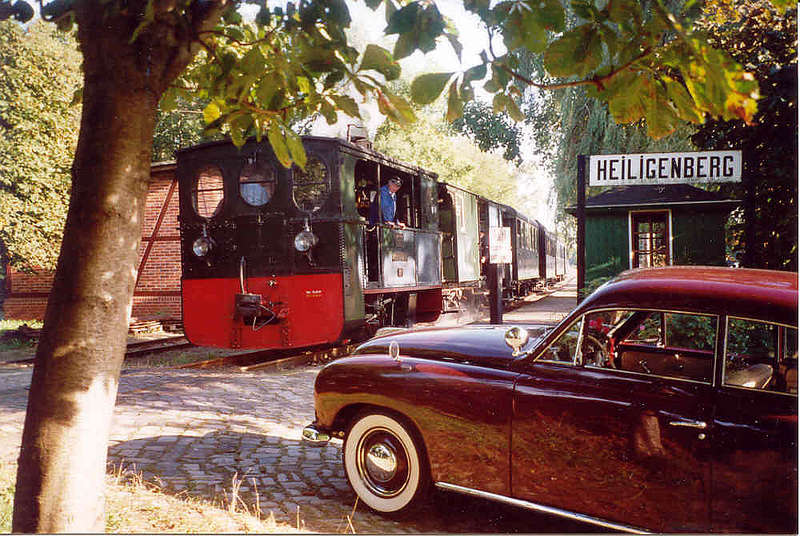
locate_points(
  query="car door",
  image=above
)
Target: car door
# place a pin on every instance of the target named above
(628, 447)
(755, 430)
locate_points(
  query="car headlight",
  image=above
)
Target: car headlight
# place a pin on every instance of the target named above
(202, 246)
(304, 240)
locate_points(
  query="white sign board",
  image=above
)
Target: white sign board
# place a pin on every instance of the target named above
(499, 245)
(665, 168)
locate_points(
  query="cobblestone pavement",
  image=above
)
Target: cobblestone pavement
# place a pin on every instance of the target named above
(197, 432)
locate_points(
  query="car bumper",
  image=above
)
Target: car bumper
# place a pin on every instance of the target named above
(314, 436)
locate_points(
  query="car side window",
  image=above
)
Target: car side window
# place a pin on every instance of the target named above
(659, 343)
(564, 348)
(752, 359)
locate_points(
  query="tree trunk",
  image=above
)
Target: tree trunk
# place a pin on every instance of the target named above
(62, 463)
(63, 458)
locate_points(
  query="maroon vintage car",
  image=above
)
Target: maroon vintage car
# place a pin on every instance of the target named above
(667, 401)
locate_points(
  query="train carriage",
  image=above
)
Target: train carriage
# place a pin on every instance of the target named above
(459, 224)
(524, 272)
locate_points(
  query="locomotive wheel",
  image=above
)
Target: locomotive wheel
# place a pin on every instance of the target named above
(384, 464)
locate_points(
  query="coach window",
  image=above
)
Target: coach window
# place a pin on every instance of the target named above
(311, 187)
(257, 183)
(208, 192)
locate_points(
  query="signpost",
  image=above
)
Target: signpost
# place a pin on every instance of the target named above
(647, 169)
(499, 254)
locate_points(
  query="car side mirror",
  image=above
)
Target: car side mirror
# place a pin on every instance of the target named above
(516, 338)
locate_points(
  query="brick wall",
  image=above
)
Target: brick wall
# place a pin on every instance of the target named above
(157, 294)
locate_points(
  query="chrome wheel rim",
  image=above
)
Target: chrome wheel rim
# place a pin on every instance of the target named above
(382, 463)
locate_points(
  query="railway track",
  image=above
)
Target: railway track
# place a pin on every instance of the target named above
(248, 361)
(156, 346)
(138, 349)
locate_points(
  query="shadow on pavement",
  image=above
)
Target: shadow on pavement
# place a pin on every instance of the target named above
(285, 476)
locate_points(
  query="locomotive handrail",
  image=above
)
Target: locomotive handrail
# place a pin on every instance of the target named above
(242, 265)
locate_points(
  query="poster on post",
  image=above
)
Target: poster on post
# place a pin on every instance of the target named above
(499, 245)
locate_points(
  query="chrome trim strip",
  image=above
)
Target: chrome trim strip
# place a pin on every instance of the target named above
(540, 508)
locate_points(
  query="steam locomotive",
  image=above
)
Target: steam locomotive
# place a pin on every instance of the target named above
(284, 258)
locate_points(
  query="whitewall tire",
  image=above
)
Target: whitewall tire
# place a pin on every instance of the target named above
(384, 464)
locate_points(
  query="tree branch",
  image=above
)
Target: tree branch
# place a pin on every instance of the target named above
(597, 81)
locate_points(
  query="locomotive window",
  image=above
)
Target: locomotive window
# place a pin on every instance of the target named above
(311, 187)
(257, 183)
(208, 192)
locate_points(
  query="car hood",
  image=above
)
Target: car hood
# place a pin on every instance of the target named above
(479, 345)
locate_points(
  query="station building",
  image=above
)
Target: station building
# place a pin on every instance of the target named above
(653, 225)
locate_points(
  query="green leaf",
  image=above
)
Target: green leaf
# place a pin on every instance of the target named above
(239, 126)
(783, 4)
(405, 46)
(661, 119)
(328, 111)
(296, 149)
(499, 103)
(477, 72)
(403, 20)
(522, 28)
(395, 108)
(333, 78)
(347, 105)
(211, 112)
(621, 11)
(278, 143)
(403, 108)
(550, 14)
(373, 4)
(682, 101)
(456, 44)
(583, 9)
(577, 53)
(379, 59)
(455, 105)
(514, 111)
(427, 87)
(626, 106)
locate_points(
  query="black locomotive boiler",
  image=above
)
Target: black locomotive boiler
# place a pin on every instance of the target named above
(283, 258)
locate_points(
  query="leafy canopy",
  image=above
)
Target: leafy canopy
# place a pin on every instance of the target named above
(38, 132)
(294, 60)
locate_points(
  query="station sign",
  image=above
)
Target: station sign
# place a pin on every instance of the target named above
(665, 168)
(499, 245)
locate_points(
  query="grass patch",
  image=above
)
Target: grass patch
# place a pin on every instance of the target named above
(11, 325)
(135, 506)
(12, 347)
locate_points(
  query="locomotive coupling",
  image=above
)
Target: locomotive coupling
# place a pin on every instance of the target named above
(248, 305)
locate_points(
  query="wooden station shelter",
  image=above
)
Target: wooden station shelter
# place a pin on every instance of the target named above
(641, 226)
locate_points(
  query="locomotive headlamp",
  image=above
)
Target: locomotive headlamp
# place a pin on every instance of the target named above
(202, 246)
(305, 240)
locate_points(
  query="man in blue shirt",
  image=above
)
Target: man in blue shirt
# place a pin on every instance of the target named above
(388, 204)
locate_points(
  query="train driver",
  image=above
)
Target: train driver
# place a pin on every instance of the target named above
(388, 204)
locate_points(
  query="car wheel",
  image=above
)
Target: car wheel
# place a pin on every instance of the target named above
(384, 464)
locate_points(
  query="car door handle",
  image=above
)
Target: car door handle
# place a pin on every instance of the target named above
(688, 423)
